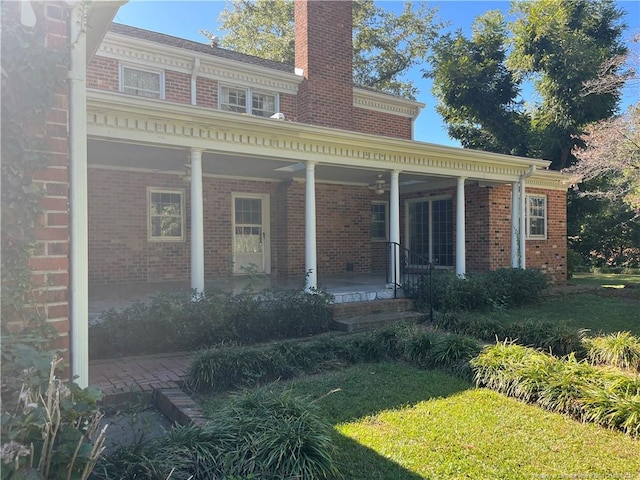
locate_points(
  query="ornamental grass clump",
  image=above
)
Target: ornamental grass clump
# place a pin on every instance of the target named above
(620, 349)
(564, 385)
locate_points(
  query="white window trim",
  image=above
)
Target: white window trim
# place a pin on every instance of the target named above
(121, 85)
(386, 221)
(530, 236)
(150, 237)
(249, 93)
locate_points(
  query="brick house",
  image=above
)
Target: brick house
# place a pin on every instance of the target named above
(202, 163)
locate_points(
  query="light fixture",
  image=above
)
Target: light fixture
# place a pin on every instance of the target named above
(378, 186)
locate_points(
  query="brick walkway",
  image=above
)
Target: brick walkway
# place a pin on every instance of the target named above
(120, 377)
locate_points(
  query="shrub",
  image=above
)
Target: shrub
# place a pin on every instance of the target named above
(256, 435)
(502, 288)
(177, 322)
(620, 349)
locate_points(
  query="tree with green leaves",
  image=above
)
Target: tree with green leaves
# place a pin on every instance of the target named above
(558, 45)
(386, 44)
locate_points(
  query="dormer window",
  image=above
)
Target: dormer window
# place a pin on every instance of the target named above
(246, 100)
(141, 82)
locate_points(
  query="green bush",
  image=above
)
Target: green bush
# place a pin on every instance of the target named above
(177, 322)
(567, 386)
(256, 435)
(502, 288)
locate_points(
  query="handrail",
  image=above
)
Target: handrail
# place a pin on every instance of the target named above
(414, 272)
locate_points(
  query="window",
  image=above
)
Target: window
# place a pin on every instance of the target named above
(536, 217)
(379, 221)
(244, 100)
(142, 83)
(166, 215)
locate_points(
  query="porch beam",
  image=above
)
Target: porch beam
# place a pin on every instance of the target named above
(394, 225)
(460, 229)
(515, 226)
(311, 267)
(197, 222)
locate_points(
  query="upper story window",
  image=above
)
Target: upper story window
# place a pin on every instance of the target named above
(536, 217)
(142, 83)
(246, 100)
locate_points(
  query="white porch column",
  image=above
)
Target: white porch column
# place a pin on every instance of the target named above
(523, 227)
(311, 267)
(394, 225)
(460, 229)
(79, 218)
(515, 226)
(197, 222)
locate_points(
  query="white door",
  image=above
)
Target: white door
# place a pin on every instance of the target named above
(250, 233)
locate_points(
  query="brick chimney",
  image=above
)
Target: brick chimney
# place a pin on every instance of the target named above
(324, 51)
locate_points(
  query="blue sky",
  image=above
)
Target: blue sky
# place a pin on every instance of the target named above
(185, 19)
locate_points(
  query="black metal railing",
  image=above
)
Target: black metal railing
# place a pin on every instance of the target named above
(411, 272)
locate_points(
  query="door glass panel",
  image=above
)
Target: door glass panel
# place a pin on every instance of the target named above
(419, 229)
(249, 236)
(443, 233)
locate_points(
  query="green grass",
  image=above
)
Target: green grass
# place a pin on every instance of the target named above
(606, 279)
(397, 422)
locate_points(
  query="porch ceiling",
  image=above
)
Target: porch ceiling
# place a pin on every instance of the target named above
(172, 161)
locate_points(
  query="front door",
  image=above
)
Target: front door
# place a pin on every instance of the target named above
(250, 233)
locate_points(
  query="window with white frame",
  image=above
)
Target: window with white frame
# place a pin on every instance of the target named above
(536, 217)
(246, 100)
(379, 221)
(141, 82)
(166, 215)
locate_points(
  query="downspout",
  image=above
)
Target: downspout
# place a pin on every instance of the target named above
(78, 252)
(523, 210)
(194, 77)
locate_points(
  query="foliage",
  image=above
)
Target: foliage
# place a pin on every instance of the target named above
(478, 95)
(386, 44)
(620, 349)
(184, 322)
(257, 434)
(565, 385)
(228, 367)
(502, 288)
(611, 152)
(559, 45)
(54, 430)
(550, 336)
(30, 79)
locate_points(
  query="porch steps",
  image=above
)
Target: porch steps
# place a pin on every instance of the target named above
(361, 316)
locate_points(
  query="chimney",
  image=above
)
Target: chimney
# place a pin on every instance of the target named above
(324, 52)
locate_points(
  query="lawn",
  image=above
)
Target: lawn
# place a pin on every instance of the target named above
(613, 307)
(394, 421)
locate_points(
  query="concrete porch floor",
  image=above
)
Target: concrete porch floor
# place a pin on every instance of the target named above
(348, 287)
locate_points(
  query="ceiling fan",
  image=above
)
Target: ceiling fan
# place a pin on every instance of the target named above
(379, 185)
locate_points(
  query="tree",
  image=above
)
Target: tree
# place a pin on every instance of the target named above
(559, 45)
(478, 94)
(386, 44)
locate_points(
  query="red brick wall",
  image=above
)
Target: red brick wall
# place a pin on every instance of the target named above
(550, 255)
(478, 229)
(379, 123)
(206, 92)
(177, 87)
(103, 74)
(324, 51)
(119, 250)
(50, 260)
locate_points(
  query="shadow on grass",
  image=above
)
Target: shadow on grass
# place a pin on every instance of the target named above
(361, 391)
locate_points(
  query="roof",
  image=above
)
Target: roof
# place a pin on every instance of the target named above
(197, 47)
(215, 51)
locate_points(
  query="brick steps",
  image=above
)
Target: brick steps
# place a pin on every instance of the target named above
(361, 316)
